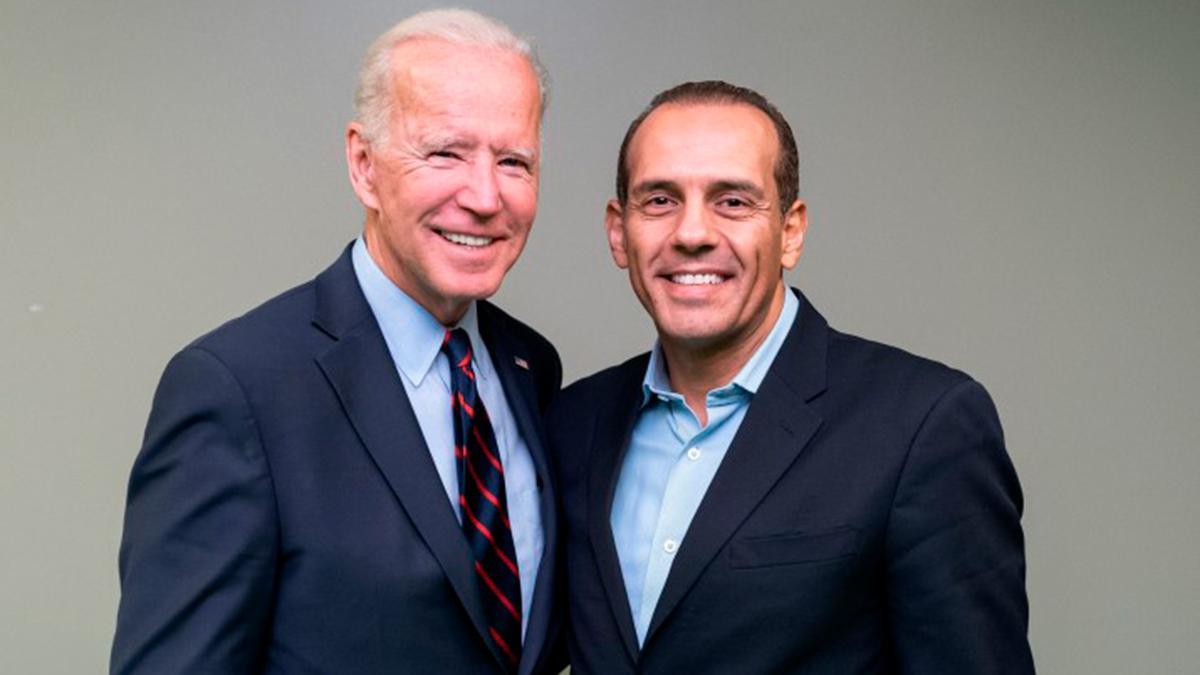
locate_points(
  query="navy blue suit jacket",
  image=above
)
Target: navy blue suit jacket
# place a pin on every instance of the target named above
(285, 516)
(866, 519)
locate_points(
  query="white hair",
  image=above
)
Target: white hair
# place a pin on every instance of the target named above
(373, 98)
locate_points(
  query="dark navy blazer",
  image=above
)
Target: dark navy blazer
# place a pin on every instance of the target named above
(866, 519)
(285, 516)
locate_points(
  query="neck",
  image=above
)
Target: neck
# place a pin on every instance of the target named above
(694, 369)
(447, 311)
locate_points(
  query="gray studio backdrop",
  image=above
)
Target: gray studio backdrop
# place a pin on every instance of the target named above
(1011, 187)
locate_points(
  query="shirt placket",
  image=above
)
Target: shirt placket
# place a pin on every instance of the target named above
(672, 522)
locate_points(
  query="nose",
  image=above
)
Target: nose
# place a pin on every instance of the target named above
(481, 193)
(695, 231)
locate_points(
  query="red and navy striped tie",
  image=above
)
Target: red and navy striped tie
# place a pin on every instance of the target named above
(482, 501)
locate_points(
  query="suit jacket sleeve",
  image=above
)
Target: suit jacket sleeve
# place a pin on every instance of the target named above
(956, 563)
(197, 559)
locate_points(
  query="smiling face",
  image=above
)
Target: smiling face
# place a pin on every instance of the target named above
(702, 232)
(451, 192)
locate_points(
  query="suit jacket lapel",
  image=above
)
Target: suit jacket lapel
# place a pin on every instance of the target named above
(520, 390)
(777, 427)
(362, 373)
(609, 441)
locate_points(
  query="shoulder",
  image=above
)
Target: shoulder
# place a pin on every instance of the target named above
(270, 331)
(613, 377)
(599, 393)
(898, 400)
(848, 372)
(864, 362)
(541, 357)
(518, 331)
(271, 346)
(584, 408)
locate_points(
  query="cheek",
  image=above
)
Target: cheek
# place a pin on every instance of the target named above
(759, 252)
(638, 258)
(646, 241)
(426, 190)
(521, 202)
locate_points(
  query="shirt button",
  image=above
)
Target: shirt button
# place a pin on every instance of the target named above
(670, 546)
(694, 453)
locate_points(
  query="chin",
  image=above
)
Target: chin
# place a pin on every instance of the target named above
(690, 322)
(691, 333)
(468, 289)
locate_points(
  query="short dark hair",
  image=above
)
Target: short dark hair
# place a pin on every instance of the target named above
(787, 164)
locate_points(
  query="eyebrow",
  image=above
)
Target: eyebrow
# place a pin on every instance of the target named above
(527, 154)
(737, 186)
(728, 185)
(440, 141)
(450, 141)
(654, 185)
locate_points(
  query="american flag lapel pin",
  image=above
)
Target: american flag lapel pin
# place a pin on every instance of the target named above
(521, 363)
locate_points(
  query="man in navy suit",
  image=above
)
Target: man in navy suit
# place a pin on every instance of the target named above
(762, 493)
(352, 477)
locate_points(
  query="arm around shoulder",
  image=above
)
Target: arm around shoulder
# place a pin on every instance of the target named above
(955, 550)
(199, 548)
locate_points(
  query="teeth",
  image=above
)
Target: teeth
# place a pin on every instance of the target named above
(466, 239)
(696, 279)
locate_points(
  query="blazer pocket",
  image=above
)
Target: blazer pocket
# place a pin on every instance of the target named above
(793, 548)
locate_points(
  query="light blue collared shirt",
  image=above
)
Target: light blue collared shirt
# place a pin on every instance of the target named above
(670, 463)
(414, 338)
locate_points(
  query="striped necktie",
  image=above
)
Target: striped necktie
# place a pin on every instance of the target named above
(481, 499)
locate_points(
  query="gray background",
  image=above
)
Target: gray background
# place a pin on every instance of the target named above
(1011, 187)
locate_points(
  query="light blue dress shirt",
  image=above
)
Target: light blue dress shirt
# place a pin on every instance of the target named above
(414, 338)
(670, 463)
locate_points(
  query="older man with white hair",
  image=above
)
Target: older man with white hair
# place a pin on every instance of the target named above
(352, 477)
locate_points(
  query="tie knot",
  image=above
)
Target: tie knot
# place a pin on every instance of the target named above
(457, 347)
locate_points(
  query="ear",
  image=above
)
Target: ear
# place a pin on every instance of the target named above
(614, 226)
(795, 223)
(361, 164)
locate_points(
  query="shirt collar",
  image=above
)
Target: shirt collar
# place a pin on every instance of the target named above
(748, 379)
(414, 337)
(656, 382)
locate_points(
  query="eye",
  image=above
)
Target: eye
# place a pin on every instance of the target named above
(736, 206)
(444, 155)
(657, 204)
(515, 163)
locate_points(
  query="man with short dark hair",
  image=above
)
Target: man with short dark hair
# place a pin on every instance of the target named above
(352, 478)
(762, 493)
